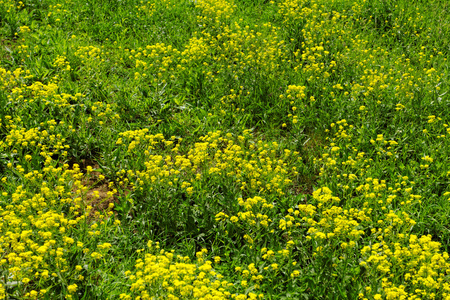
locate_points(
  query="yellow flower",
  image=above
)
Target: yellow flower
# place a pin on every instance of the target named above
(72, 288)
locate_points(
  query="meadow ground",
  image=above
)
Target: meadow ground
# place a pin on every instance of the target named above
(212, 149)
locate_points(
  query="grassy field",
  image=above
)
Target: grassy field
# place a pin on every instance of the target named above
(212, 149)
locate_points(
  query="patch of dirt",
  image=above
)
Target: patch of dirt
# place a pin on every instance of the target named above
(305, 187)
(97, 195)
(311, 149)
(6, 48)
(100, 203)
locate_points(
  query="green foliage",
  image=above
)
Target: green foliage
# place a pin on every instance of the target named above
(204, 149)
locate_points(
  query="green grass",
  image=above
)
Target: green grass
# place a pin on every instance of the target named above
(165, 149)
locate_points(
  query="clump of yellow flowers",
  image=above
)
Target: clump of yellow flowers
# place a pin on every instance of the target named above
(163, 274)
(252, 166)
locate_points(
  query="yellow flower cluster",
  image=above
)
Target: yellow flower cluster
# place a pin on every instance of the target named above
(195, 50)
(328, 222)
(34, 143)
(337, 27)
(215, 11)
(295, 94)
(102, 113)
(252, 217)
(411, 267)
(254, 167)
(9, 5)
(295, 11)
(242, 46)
(146, 9)
(254, 223)
(39, 233)
(163, 274)
(158, 60)
(2, 292)
(90, 55)
(62, 63)
(29, 95)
